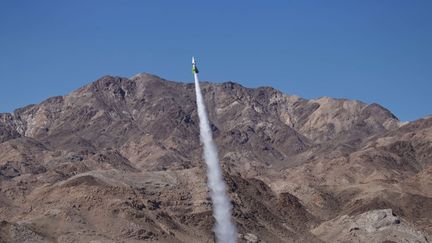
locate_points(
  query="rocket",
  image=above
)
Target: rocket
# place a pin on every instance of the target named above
(194, 67)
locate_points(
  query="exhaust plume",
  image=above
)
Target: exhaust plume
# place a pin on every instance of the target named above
(224, 228)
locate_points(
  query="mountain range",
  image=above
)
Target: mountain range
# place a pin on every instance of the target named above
(120, 160)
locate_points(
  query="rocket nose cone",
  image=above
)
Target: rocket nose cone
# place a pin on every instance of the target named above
(193, 60)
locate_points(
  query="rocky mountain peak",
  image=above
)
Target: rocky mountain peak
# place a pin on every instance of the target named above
(124, 154)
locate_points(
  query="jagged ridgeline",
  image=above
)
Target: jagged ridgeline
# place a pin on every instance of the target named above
(120, 160)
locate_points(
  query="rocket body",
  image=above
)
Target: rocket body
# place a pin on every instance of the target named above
(194, 67)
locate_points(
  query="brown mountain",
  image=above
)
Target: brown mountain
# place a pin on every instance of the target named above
(119, 160)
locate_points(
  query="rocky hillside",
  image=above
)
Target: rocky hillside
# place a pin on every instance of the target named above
(119, 160)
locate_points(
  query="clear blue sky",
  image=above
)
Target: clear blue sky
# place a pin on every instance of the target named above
(370, 50)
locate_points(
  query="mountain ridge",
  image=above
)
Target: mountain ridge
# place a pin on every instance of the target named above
(124, 154)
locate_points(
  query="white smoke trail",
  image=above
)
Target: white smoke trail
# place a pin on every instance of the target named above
(224, 229)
